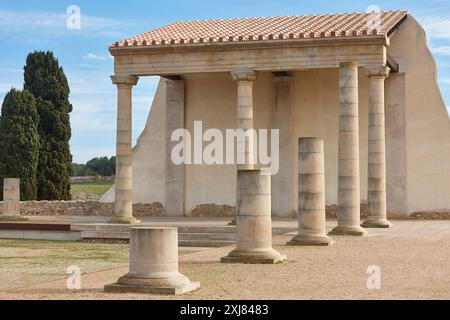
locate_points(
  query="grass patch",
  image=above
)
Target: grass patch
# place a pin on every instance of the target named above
(90, 190)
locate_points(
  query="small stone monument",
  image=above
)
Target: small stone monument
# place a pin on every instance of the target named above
(153, 264)
(311, 195)
(11, 200)
(254, 220)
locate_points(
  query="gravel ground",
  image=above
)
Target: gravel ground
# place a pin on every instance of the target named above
(414, 259)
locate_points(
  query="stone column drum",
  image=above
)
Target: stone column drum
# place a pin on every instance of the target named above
(123, 211)
(376, 184)
(153, 264)
(349, 201)
(254, 221)
(311, 195)
(11, 200)
(245, 80)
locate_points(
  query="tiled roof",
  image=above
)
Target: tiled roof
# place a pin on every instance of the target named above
(271, 28)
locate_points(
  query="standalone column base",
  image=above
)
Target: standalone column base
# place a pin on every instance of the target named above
(124, 220)
(356, 231)
(173, 284)
(319, 241)
(13, 218)
(266, 257)
(377, 224)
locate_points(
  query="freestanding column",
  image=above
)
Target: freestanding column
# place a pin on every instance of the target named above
(245, 80)
(174, 194)
(153, 264)
(254, 221)
(311, 195)
(376, 185)
(11, 200)
(283, 199)
(123, 212)
(348, 211)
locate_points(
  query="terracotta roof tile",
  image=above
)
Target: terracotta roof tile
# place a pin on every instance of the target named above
(270, 28)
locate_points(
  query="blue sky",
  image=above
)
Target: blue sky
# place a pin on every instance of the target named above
(26, 26)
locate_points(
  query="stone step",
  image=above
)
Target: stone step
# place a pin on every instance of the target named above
(218, 229)
(207, 236)
(205, 244)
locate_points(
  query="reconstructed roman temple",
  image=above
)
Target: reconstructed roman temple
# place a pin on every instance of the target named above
(365, 83)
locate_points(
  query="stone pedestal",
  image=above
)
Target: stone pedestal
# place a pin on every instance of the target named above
(153, 264)
(376, 184)
(254, 221)
(311, 195)
(11, 200)
(123, 211)
(349, 200)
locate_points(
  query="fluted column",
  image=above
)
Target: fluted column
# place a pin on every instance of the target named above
(348, 211)
(245, 80)
(123, 211)
(376, 185)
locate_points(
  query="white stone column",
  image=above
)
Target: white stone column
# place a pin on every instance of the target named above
(254, 221)
(283, 203)
(123, 211)
(245, 80)
(153, 264)
(349, 201)
(11, 200)
(376, 184)
(174, 194)
(311, 195)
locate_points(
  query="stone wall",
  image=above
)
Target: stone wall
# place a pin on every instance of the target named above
(82, 208)
(96, 208)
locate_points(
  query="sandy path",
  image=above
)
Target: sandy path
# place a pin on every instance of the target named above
(414, 258)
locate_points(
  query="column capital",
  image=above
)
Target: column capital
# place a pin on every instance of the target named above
(243, 75)
(378, 72)
(124, 80)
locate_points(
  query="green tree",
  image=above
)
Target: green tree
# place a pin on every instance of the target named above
(102, 166)
(19, 141)
(46, 80)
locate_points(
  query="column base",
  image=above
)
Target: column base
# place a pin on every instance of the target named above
(356, 231)
(166, 283)
(268, 257)
(319, 241)
(124, 220)
(17, 218)
(377, 224)
(121, 288)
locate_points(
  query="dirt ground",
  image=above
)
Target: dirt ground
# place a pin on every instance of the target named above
(414, 258)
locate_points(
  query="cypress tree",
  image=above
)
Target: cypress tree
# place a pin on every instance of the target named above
(46, 80)
(19, 141)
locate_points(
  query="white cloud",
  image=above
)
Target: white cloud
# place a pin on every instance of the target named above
(444, 81)
(55, 24)
(93, 56)
(443, 51)
(437, 27)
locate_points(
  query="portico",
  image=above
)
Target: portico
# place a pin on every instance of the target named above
(306, 79)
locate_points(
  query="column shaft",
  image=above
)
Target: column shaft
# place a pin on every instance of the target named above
(311, 194)
(376, 187)
(283, 199)
(348, 211)
(254, 221)
(245, 147)
(174, 194)
(123, 211)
